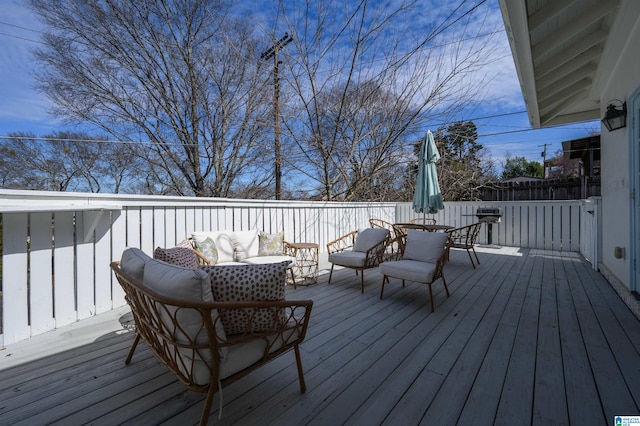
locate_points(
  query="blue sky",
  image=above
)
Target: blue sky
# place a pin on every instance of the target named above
(23, 109)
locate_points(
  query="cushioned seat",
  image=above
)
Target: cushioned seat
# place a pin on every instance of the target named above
(349, 259)
(262, 260)
(411, 270)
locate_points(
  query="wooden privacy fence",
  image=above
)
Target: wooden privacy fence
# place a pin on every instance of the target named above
(57, 247)
(548, 189)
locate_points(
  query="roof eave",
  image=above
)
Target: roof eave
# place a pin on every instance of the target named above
(514, 14)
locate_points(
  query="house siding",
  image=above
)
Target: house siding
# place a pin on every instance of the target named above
(617, 202)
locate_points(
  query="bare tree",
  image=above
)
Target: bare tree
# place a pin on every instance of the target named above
(362, 147)
(182, 78)
(363, 84)
(31, 163)
(66, 161)
(181, 75)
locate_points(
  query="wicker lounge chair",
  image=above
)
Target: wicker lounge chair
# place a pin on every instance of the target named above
(176, 316)
(359, 250)
(422, 261)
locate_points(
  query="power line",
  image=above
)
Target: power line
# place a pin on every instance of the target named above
(506, 132)
(21, 28)
(33, 138)
(564, 127)
(18, 26)
(497, 115)
(21, 38)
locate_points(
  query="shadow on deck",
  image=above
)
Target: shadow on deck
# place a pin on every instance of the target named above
(530, 337)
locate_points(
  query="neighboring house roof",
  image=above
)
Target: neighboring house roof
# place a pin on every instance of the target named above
(587, 150)
(564, 50)
(582, 148)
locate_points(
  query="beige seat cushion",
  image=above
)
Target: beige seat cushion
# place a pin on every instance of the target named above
(261, 260)
(351, 259)
(242, 356)
(410, 270)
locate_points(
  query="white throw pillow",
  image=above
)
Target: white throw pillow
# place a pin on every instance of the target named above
(246, 244)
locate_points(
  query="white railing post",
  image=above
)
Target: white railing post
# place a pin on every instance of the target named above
(590, 231)
(15, 291)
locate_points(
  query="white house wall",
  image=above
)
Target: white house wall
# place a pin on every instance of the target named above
(615, 163)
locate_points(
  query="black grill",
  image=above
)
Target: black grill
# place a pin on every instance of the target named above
(489, 214)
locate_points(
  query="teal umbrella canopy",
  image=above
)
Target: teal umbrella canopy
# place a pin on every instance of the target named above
(427, 197)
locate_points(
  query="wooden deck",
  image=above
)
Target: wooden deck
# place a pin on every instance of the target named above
(530, 337)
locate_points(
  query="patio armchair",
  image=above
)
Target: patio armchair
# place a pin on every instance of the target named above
(382, 224)
(422, 261)
(465, 237)
(191, 334)
(359, 250)
(423, 220)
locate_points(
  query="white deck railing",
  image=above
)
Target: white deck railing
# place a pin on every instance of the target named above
(57, 246)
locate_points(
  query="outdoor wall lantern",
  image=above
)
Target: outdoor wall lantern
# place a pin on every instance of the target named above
(615, 118)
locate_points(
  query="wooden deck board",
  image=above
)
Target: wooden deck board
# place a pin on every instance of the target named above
(453, 395)
(529, 337)
(450, 358)
(516, 400)
(72, 382)
(426, 340)
(483, 399)
(583, 406)
(549, 405)
(596, 318)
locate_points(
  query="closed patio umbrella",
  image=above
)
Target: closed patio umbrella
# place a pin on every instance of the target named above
(427, 197)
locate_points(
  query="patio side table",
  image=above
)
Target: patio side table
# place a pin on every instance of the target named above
(305, 269)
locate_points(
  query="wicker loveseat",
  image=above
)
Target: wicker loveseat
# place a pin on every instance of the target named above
(176, 315)
(241, 247)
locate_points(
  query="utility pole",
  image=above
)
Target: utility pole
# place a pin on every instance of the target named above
(272, 52)
(544, 158)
